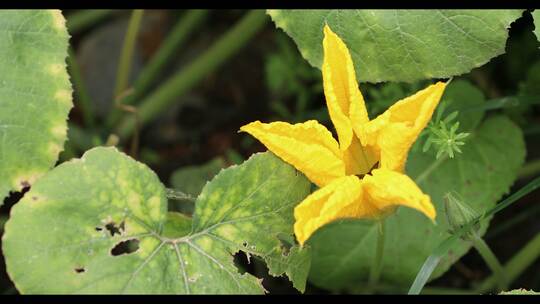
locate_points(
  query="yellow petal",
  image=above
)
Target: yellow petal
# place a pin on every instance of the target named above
(393, 132)
(340, 199)
(386, 189)
(416, 110)
(308, 146)
(343, 98)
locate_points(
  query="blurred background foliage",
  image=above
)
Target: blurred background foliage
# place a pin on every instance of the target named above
(261, 77)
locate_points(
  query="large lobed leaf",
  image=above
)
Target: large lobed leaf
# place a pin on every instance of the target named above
(64, 235)
(403, 45)
(342, 252)
(35, 95)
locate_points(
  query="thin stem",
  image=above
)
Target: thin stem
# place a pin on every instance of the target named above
(179, 195)
(517, 264)
(420, 179)
(491, 260)
(148, 76)
(83, 19)
(530, 169)
(376, 267)
(166, 95)
(124, 65)
(83, 98)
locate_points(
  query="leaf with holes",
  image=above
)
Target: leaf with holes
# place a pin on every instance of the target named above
(342, 252)
(403, 45)
(100, 224)
(35, 95)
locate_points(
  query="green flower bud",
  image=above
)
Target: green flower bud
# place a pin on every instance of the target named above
(458, 213)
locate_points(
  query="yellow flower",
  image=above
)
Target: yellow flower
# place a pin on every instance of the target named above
(362, 176)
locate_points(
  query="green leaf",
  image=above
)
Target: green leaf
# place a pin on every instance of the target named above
(99, 224)
(520, 291)
(403, 45)
(342, 252)
(35, 95)
(191, 179)
(468, 100)
(536, 16)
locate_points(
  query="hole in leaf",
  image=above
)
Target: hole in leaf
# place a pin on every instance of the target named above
(113, 229)
(285, 244)
(242, 262)
(80, 270)
(258, 268)
(125, 247)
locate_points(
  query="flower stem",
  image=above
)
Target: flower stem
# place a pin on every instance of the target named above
(148, 76)
(167, 94)
(517, 264)
(491, 260)
(376, 267)
(124, 65)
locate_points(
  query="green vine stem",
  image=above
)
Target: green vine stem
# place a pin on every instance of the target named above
(491, 260)
(517, 264)
(376, 267)
(83, 19)
(147, 77)
(124, 65)
(530, 169)
(83, 98)
(166, 95)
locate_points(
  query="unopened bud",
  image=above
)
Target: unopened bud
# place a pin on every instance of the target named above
(458, 213)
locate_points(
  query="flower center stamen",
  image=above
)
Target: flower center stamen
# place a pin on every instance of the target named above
(375, 166)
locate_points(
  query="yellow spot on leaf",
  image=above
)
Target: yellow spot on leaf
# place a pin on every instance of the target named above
(59, 22)
(155, 208)
(205, 243)
(55, 149)
(56, 69)
(227, 231)
(147, 246)
(59, 131)
(63, 96)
